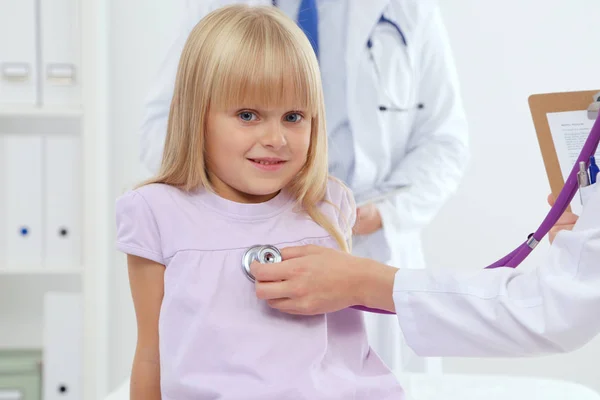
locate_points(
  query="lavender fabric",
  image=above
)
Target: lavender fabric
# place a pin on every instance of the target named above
(217, 339)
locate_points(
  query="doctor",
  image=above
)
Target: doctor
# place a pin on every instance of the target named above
(393, 109)
(486, 313)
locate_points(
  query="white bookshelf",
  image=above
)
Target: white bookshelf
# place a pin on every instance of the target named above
(8, 271)
(26, 111)
(22, 288)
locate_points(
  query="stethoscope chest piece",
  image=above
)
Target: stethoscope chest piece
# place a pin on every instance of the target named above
(264, 254)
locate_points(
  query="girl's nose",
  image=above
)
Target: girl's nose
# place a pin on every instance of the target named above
(274, 136)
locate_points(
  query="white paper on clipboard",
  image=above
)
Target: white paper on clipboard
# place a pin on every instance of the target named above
(570, 130)
(377, 196)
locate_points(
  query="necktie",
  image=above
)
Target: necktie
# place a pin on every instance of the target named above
(308, 20)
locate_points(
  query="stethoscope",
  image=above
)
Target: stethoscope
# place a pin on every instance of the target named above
(391, 106)
(514, 258)
(271, 254)
(264, 254)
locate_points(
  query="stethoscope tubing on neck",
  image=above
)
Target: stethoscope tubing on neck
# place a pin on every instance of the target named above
(391, 106)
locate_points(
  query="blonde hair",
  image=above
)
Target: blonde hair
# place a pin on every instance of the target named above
(243, 55)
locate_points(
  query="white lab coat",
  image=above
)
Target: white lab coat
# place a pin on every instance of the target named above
(504, 312)
(426, 148)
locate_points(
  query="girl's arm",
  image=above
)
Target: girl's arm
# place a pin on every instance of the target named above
(146, 280)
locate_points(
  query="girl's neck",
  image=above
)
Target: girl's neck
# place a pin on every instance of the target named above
(231, 194)
(250, 208)
(240, 197)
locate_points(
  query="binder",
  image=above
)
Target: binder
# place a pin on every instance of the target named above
(11, 394)
(22, 166)
(583, 106)
(3, 206)
(60, 52)
(18, 71)
(62, 208)
(62, 346)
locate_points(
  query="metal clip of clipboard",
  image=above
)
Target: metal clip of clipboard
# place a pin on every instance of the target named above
(594, 108)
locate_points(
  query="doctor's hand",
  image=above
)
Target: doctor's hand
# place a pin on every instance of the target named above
(368, 220)
(315, 280)
(566, 221)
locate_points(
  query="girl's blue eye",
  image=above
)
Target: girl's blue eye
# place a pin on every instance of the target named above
(294, 117)
(246, 116)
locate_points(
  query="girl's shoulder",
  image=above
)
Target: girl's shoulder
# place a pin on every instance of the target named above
(154, 196)
(338, 192)
(156, 220)
(138, 221)
(159, 204)
(339, 200)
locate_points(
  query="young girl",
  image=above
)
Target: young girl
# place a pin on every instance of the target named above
(244, 164)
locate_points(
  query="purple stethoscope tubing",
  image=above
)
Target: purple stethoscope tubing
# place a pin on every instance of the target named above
(515, 257)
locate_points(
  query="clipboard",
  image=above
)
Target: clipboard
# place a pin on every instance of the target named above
(540, 106)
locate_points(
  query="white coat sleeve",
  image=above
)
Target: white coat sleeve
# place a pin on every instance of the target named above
(153, 130)
(508, 312)
(438, 150)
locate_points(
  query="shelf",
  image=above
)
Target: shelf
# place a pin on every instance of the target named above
(40, 271)
(28, 111)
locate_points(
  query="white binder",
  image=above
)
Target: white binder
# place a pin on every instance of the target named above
(62, 346)
(22, 166)
(60, 52)
(3, 206)
(62, 187)
(11, 394)
(18, 72)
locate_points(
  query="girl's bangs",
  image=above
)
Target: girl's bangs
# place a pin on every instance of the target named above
(258, 72)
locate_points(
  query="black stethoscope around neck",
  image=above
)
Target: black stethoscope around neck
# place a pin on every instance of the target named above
(391, 106)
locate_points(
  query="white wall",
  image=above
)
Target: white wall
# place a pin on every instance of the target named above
(502, 58)
(505, 51)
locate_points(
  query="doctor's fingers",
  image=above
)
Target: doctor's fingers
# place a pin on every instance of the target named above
(297, 271)
(300, 251)
(302, 306)
(557, 228)
(552, 234)
(278, 290)
(270, 272)
(561, 227)
(568, 218)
